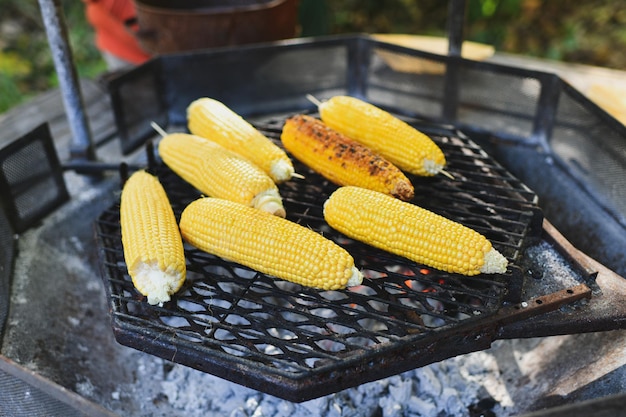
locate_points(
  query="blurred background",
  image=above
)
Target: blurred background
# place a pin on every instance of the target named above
(585, 32)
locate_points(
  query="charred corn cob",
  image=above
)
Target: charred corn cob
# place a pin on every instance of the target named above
(218, 172)
(153, 247)
(212, 119)
(401, 144)
(268, 244)
(341, 159)
(412, 232)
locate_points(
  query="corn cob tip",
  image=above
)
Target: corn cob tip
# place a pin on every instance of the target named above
(269, 201)
(432, 167)
(494, 263)
(355, 279)
(403, 190)
(155, 283)
(281, 171)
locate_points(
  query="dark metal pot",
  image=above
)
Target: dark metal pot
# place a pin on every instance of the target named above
(166, 26)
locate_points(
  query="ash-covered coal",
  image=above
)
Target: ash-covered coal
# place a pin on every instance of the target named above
(453, 387)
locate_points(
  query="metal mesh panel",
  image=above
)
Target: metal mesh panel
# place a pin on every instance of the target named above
(31, 178)
(499, 102)
(137, 104)
(495, 99)
(592, 149)
(250, 79)
(26, 394)
(17, 398)
(407, 82)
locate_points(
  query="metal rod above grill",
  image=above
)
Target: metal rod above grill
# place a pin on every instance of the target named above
(56, 30)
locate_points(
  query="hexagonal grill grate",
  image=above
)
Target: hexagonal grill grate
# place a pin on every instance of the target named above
(298, 343)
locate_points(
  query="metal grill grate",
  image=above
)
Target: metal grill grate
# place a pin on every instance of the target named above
(300, 343)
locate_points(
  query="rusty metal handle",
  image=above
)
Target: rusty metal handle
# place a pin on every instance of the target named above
(542, 304)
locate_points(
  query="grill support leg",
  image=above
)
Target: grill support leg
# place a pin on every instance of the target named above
(82, 146)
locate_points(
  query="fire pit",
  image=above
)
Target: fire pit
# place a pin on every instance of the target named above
(514, 126)
(300, 344)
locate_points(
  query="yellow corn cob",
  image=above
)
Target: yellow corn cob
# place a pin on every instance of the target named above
(412, 232)
(341, 159)
(153, 247)
(268, 244)
(218, 172)
(401, 144)
(212, 119)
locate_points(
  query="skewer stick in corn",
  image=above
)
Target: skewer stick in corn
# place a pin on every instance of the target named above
(341, 159)
(412, 232)
(267, 244)
(219, 172)
(397, 141)
(212, 119)
(153, 247)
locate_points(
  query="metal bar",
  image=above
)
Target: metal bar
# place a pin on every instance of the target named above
(456, 21)
(358, 68)
(546, 111)
(541, 305)
(56, 31)
(8, 252)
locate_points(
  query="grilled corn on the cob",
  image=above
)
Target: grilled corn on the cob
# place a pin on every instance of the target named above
(219, 172)
(412, 232)
(268, 244)
(341, 159)
(397, 141)
(153, 248)
(212, 119)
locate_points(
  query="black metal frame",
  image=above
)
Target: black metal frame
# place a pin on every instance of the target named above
(7, 259)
